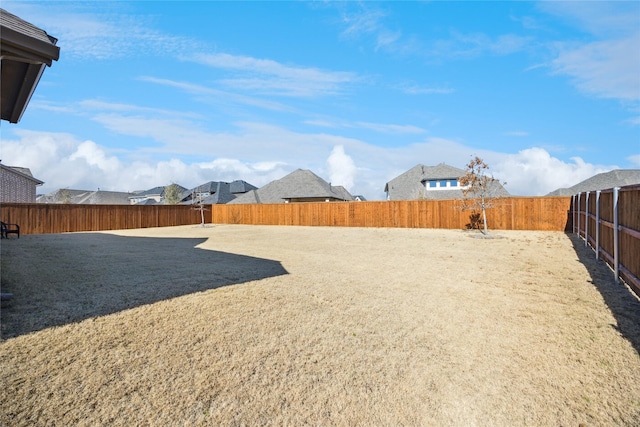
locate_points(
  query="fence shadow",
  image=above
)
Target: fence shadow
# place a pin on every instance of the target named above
(65, 278)
(622, 302)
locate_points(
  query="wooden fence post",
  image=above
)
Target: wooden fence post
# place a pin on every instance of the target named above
(586, 220)
(597, 248)
(616, 242)
(578, 214)
(573, 211)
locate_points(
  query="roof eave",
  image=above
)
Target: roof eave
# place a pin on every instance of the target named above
(29, 48)
(23, 58)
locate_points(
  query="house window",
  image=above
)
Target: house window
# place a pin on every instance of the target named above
(441, 184)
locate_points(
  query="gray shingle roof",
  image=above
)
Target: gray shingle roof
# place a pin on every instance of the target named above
(602, 181)
(25, 172)
(410, 185)
(86, 197)
(240, 186)
(10, 21)
(155, 191)
(221, 192)
(299, 185)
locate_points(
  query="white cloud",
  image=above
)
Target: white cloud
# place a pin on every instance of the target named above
(364, 21)
(414, 89)
(101, 35)
(390, 128)
(266, 76)
(607, 66)
(387, 128)
(63, 161)
(518, 133)
(341, 168)
(608, 69)
(635, 159)
(535, 172)
(602, 18)
(93, 155)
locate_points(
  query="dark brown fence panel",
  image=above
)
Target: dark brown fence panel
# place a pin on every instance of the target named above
(37, 218)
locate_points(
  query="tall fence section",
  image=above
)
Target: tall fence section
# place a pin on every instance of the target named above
(511, 213)
(609, 222)
(40, 218)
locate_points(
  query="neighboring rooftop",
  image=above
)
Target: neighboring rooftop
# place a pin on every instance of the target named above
(602, 181)
(25, 172)
(414, 184)
(218, 192)
(85, 197)
(300, 185)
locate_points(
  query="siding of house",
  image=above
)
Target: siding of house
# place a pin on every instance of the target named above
(16, 186)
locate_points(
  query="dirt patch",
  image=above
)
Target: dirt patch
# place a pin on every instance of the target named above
(246, 325)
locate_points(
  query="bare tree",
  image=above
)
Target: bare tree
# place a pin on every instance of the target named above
(198, 204)
(172, 194)
(480, 190)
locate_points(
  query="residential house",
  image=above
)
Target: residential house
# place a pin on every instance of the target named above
(433, 182)
(85, 197)
(602, 181)
(156, 195)
(17, 184)
(26, 51)
(217, 192)
(299, 186)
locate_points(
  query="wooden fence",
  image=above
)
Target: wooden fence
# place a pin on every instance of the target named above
(609, 222)
(39, 218)
(517, 213)
(514, 213)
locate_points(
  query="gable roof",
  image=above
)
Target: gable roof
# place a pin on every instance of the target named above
(220, 192)
(155, 191)
(23, 172)
(411, 184)
(300, 184)
(441, 171)
(26, 51)
(601, 181)
(85, 197)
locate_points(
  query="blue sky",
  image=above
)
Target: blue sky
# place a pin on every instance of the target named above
(147, 93)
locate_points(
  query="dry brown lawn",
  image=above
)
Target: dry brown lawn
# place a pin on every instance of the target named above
(265, 325)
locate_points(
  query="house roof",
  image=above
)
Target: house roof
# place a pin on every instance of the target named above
(240, 186)
(299, 184)
(410, 185)
(602, 181)
(26, 51)
(24, 172)
(85, 197)
(221, 192)
(441, 171)
(155, 191)
(147, 202)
